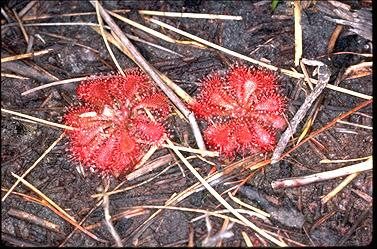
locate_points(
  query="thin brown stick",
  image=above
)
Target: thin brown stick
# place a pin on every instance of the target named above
(26, 8)
(334, 37)
(23, 30)
(34, 219)
(18, 242)
(140, 60)
(27, 71)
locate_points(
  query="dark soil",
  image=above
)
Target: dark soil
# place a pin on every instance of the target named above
(296, 213)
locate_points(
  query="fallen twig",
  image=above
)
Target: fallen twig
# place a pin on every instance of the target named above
(109, 223)
(300, 181)
(323, 79)
(29, 217)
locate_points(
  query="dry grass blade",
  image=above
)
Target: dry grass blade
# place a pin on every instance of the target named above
(224, 227)
(122, 215)
(300, 181)
(260, 164)
(56, 83)
(210, 44)
(135, 38)
(38, 120)
(80, 223)
(33, 166)
(54, 24)
(334, 37)
(100, 22)
(27, 55)
(260, 63)
(359, 70)
(306, 129)
(247, 239)
(298, 32)
(189, 15)
(192, 150)
(306, 75)
(146, 156)
(23, 30)
(152, 165)
(328, 125)
(205, 213)
(55, 206)
(257, 210)
(222, 201)
(14, 76)
(43, 196)
(357, 125)
(39, 17)
(154, 32)
(346, 160)
(339, 188)
(241, 211)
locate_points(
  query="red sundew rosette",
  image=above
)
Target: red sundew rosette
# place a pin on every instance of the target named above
(243, 109)
(113, 131)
